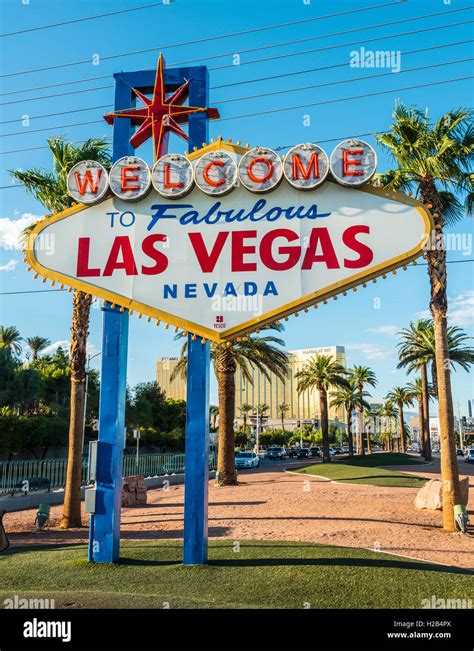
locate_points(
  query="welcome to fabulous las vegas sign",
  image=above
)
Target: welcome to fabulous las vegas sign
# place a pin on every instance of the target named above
(226, 239)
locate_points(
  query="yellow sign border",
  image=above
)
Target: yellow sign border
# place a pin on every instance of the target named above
(253, 324)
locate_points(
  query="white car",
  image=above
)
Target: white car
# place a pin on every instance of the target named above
(469, 458)
(247, 460)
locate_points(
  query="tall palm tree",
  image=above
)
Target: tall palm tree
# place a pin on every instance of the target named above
(10, 338)
(322, 373)
(283, 407)
(50, 188)
(417, 391)
(387, 413)
(414, 353)
(417, 349)
(361, 376)
(349, 397)
(401, 396)
(436, 161)
(251, 351)
(214, 413)
(37, 345)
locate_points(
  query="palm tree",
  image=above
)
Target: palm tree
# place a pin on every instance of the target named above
(400, 396)
(360, 376)
(322, 373)
(436, 162)
(214, 413)
(261, 352)
(417, 391)
(387, 414)
(349, 397)
(417, 350)
(245, 409)
(282, 409)
(50, 188)
(37, 345)
(262, 408)
(10, 338)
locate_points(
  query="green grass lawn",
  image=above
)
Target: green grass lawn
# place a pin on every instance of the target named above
(367, 470)
(384, 459)
(260, 575)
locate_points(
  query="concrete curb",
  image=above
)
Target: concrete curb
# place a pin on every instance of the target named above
(33, 500)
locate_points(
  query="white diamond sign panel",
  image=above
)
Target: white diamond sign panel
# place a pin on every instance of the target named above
(220, 266)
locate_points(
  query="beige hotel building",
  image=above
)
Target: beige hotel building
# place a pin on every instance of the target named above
(272, 392)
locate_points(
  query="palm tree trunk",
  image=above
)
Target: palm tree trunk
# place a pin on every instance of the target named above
(323, 408)
(71, 515)
(369, 445)
(421, 428)
(439, 306)
(227, 475)
(426, 414)
(402, 429)
(350, 439)
(360, 421)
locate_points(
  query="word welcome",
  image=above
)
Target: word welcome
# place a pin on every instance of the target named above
(218, 172)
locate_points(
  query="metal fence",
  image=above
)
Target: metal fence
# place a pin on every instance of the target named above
(46, 474)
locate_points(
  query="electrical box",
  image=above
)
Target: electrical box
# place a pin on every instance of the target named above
(89, 499)
(92, 462)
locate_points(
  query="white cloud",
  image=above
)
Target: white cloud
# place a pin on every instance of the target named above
(52, 348)
(372, 351)
(11, 230)
(424, 314)
(66, 345)
(461, 309)
(390, 330)
(9, 266)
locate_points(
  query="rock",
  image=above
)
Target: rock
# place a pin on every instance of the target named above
(134, 491)
(431, 495)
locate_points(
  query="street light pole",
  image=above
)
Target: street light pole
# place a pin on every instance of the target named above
(258, 430)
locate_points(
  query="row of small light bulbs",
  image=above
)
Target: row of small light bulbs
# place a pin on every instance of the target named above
(194, 336)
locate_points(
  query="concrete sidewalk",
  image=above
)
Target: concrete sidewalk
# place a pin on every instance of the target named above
(33, 500)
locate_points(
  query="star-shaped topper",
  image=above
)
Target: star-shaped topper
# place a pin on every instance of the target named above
(160, 114)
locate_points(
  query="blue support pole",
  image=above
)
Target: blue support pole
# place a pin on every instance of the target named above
(104, 530)
(197, 454)
(196, 478)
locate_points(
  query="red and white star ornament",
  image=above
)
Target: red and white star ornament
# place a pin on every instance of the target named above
(160, 114)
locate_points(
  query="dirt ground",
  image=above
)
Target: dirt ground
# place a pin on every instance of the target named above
(271, 504)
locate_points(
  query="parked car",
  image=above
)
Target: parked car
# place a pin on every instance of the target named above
(338, 451)
(292, 452)
(315, 451)
(459, 452)
(247, 460)
(345, 449)
(276, 453)
(469, 458)
(304, 453)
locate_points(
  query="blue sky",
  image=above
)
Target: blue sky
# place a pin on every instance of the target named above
(365, 322)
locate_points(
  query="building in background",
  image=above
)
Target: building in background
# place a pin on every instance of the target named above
(175, 390)
(415, 430)
(302, 408)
